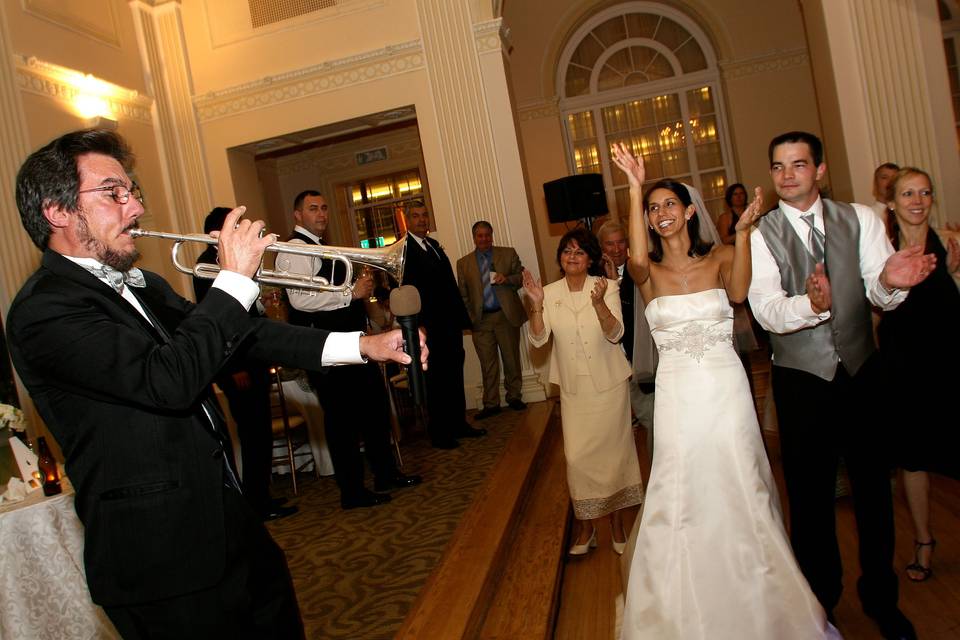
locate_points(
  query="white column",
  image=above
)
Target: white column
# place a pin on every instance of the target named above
(159, 27)
(470, 94)
(882, 70)
(18, 256)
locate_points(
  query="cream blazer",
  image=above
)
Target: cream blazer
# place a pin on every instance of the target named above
(605, 359)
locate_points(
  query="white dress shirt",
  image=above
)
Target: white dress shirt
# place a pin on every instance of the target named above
(308, 299)
(339, 348)
(779, 312)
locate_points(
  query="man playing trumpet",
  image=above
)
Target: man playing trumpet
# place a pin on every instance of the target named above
(119, 367)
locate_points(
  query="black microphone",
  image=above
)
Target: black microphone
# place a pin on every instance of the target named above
(405, 305)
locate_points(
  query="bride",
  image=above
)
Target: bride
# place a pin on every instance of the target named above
(712, 558)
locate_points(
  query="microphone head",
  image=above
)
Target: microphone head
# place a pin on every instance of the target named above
(405, 301)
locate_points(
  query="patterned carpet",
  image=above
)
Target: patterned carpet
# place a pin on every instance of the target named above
(358, 572)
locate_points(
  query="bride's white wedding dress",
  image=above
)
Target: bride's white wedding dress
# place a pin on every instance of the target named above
(712, 558)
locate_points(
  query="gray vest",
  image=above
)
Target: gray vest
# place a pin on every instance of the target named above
(847, 336)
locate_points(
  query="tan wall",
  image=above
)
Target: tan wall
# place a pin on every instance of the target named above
(226, 52)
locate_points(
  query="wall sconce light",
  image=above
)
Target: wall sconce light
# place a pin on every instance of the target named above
(101, 122)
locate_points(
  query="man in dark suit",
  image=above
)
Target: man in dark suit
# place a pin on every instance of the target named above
(489, 278)
(443, 315)
(247, 388)
(119, 367)
(343, 391)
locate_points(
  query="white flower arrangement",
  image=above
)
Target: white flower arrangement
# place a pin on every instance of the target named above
(12, 417)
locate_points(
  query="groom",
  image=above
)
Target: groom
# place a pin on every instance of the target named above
(818, 265)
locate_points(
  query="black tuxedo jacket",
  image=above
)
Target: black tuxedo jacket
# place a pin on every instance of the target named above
(124, 403)
(441, 307)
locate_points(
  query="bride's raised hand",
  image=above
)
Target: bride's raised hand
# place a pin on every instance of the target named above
(533, 288)
(753, 212)
(630, 165)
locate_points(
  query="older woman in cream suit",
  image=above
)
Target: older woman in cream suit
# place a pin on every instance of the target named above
(582, 311)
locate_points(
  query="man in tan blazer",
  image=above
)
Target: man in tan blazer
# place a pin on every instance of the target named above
(489, 278)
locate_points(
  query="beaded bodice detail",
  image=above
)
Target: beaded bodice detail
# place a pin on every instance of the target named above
(692, 324)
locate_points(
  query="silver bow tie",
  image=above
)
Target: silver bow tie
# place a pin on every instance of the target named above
(117, 279)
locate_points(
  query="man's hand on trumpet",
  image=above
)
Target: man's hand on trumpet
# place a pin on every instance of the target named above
(240, 248)
(388, 347)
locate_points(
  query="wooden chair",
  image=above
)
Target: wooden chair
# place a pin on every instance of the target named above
(291, 428)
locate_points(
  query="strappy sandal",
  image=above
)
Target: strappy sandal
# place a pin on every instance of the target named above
(915, 566)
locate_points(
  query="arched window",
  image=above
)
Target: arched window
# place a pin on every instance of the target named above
(645, 74)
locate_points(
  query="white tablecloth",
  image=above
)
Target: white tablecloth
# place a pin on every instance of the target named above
(43, 590)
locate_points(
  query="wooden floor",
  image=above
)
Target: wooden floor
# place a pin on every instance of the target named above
(592, 583)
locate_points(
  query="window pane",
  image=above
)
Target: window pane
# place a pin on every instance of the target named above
(578, 81)
(666, 108)
(580, 125)
(641, 25)
(587, 53)
(610, 78)
(611, 32)
(586, 158)
(700, 102)
(713, 184)
(676, 162)
(672, 35)
(691, 57)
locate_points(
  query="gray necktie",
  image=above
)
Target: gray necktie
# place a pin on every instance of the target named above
(815, 238)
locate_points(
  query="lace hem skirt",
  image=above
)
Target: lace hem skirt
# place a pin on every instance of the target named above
(603, 473)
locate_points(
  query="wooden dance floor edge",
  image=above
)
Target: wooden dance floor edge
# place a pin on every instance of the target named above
(507, 553)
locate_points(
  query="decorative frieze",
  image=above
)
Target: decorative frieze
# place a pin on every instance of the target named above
(772, 62)
(538, 109)
(67, 85)
(301, 83)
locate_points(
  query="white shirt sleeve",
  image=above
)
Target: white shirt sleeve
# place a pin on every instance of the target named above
(875, 250)
(307, 299)
(240, 287)
(342, 348)
(774, 309)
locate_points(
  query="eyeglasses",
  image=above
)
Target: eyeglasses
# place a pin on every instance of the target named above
(119, 193)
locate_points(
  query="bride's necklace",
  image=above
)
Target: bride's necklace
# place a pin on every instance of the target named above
(684, 272)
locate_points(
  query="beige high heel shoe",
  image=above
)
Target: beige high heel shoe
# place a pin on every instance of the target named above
(582, 549)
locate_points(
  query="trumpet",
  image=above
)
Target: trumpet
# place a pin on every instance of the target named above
(389, 259)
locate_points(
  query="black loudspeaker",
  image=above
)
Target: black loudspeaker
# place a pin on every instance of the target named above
(575, 197)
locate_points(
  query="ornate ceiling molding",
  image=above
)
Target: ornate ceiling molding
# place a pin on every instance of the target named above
(66, 85)
(308, 81)
(771, 62)
(534, 110)
(491, 35)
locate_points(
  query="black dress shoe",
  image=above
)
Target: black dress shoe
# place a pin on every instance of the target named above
(486, 412)
(470, 432)
(893, 625)
(277, 512)
(444, 443)
(517, 404)
(364, 499)
(276, 503)
(396, 481)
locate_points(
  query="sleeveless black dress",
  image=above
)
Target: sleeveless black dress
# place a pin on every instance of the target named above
(918, 340)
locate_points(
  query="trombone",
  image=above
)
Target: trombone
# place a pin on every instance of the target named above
(390, 259)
